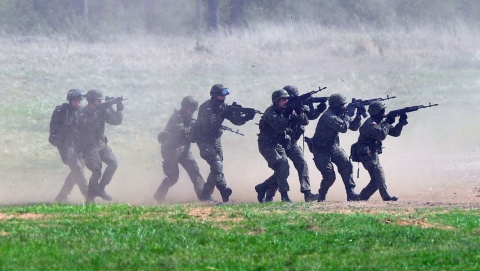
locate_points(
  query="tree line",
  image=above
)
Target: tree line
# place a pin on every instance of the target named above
(78, 18)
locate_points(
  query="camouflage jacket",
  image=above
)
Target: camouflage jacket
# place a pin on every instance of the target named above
(329, 126)
(373, 132)
(176, 135)
(211, 115)
(277, 128)
(297, 127)
(64, 126)
(92, 123)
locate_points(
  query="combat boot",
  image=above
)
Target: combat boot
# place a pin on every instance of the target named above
(309, 197)
(285, 198)
(391, 198)
(105, 196)
(225, 193)
(351, 196)
(261, 189)
(61, 199)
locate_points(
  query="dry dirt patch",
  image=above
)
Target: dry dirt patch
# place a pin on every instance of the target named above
(26, 216)
(212, 214)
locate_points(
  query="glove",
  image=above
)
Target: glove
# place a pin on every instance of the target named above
(403, 119)
(390, 119)
(299, 110)
(249, 116)
(350, 111)
(120, 106)
(321, 107)
(361, 111)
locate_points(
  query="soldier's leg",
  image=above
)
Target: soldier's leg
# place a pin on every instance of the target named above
(377, 174)
(108, 158)
(295, 154)
(68, 156)
(272, 187)
(324, 164)
(94, 164)
(207, 152)
(345, 169)
(190, 165)
(80, 179)
(170, 168)
(221, 184)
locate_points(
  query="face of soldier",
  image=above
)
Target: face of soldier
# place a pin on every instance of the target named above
(95, 103)
(221, 97)
(282, 102)
(188, 112)
(76, 103)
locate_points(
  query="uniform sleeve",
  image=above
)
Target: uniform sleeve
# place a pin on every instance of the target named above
(55, 127)
(355, 123)
(339, 124)
(299, 119)
(113, 117)
(375, 130)
(397, 130)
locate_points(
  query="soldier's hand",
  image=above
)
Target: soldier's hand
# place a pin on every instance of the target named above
(120, 106)
(350, 111)
(403, 119)
(321, 107)
(390, 119)
(361, 111)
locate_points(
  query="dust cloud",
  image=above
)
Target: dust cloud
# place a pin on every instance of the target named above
(435, 159)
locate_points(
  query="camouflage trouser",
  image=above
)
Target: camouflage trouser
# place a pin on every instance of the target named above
(211, 151)
(295, 154)
(72, 158)
(377, 177)
(277, 160)
(94, 156)
(324, 161)
(170, 168)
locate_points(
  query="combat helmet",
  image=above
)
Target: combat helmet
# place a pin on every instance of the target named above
(336, 100)
(75, 94)
(189, 102)
(292, 90)
(278, 94)
(376, 107)
(93, 95)
(219, 90)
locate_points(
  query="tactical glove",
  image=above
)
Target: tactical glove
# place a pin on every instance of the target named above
(390, 119)
(120, 106)
(361, 111)
(350, 111)
(403, 119)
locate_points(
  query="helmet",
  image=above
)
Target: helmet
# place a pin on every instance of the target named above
(75, 94)
(189, 102)
(337, 100)
(375, 108)
(278, 94)
(93, 95)
(292, 90)
(219, 90)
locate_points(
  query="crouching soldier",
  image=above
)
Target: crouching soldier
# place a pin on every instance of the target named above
(175, 140)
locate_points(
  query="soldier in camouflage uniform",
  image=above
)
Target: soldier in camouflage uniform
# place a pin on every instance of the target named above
(326, 145)
(274, 142)
(208, 132)
(175, 140)
(266, 190)
(64, 136)
(92, 119)
(369, 146)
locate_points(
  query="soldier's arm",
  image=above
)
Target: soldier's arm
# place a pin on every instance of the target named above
(277, 121)
(355, 123)
(396, 130)
(375, 130)
(339, 124)
(55, 126)
(113, 117)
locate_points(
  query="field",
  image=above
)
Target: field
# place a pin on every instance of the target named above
(434, 167)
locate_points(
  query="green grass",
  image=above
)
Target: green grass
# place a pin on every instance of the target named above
(237, 237)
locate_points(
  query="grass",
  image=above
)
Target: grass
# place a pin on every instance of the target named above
(236, 237)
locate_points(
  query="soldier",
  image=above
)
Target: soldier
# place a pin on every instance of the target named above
(208, 132)
(95, 150)
(64, 136)
(175, 140)
(266, 190)
(274, 141)
(326, 145)
(369, 146)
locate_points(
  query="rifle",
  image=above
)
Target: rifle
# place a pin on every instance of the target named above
(293, 102)
(312, 100)
(109, 101)
(398, 112)
(357, 103)
(226, 128)
(236, 109)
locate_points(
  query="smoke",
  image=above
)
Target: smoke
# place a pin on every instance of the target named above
(435, 158)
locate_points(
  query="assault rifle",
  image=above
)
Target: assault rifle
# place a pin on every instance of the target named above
(312, 100)
(357, 103)
(226, 128)
(109, 101)
(294, 102)
(236, 109)
(398, 112)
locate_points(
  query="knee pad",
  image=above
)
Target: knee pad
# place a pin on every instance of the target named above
(216, 167)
